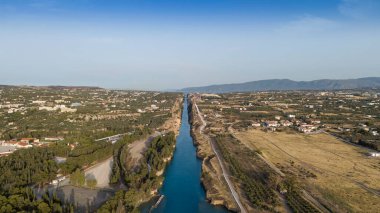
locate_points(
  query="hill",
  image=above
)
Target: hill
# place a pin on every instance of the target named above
(286, 84)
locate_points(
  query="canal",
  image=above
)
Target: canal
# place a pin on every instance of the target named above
(182, 187)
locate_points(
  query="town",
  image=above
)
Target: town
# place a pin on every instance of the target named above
(39, 116)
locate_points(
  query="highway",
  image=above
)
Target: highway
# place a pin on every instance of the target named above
(224, 170)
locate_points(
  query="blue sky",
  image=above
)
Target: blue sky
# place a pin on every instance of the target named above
(161, 44)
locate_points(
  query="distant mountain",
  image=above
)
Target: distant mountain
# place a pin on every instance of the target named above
(286, 84)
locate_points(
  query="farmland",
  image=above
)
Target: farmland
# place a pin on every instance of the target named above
(339, 175)
(300, 151)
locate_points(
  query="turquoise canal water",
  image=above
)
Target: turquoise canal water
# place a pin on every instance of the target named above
(182, 188)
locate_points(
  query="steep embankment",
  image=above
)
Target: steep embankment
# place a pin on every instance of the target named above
(216, 188)
(174, 123)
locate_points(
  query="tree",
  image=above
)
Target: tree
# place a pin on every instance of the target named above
(91, 183)
(44, 208)
(78, 178)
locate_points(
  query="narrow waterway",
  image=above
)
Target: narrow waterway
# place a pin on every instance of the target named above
(182, 188)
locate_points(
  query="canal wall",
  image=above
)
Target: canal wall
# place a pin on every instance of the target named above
(217, 192)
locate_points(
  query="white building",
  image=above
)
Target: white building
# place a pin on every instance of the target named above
(38, 102)
(305, 128)
(374, 154)
(255, 124)
(271, 123)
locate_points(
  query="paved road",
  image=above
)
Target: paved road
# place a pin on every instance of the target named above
(224, 171)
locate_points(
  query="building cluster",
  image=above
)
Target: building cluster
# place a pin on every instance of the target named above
(351, 115)
(62, 108)
(8, 147)
(310, 127)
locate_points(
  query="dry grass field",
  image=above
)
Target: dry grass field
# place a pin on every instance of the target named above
(346, 179)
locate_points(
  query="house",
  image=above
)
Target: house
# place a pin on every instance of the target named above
(59, 160)
(23, 145)
(306, 128)
(75, 105)
(271, 124)
(277, 117)
(27, 140)
(256, 124)
(47, 108)
(291, 116)
(10, 143)
(140, 111)
(375, 133)
(65, 109)
(38, 102)
(54, 139)
(286, 123)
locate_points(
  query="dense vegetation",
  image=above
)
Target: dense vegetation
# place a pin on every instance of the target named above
(26, 167)
(18, 172)
(90, 153)
(143, 178)
(27, 202)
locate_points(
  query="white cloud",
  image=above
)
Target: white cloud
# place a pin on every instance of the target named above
(360, 9)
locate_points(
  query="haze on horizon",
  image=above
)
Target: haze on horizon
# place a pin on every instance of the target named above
(165, 44)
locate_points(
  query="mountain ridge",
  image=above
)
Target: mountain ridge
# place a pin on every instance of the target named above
(287, 84)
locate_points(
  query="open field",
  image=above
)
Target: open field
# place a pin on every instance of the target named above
(101, 172)
(340, 176)
(137, 148)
